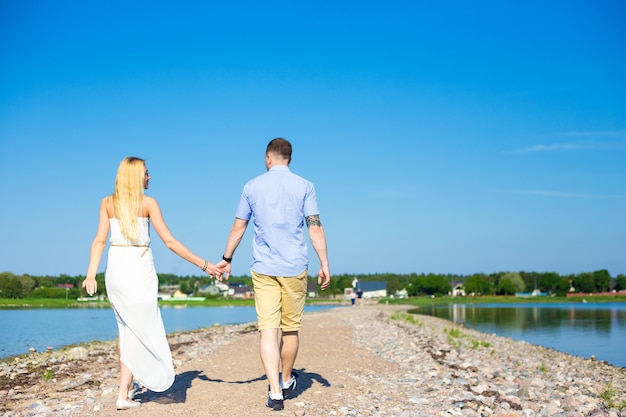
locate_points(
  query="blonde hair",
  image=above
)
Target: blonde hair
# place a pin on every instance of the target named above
(129, 186)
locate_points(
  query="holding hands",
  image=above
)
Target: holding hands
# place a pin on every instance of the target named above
(224, 266)
(216, 271)
(213, 270)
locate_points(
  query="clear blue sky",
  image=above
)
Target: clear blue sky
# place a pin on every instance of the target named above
(446, 137)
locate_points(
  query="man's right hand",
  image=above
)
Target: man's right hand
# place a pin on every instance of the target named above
(225, 268)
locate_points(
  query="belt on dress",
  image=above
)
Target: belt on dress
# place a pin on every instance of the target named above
(133, 246)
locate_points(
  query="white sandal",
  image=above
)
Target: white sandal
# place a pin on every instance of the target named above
(125, 405)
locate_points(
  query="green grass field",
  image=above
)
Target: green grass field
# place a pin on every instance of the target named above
(501, 299)
(220, 302)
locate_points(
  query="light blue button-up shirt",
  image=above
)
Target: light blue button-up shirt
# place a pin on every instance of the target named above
(278, 201)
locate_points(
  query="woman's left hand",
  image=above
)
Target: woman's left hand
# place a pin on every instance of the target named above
(90, 285)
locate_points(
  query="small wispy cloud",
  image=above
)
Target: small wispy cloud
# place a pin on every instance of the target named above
(548, 148)
(599, 134)
(595, 141)
(562, 194)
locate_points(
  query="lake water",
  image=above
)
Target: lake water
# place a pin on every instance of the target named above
(21, 329)
(581, 329)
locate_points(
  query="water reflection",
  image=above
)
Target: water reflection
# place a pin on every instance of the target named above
(580, 329)
(21, 329)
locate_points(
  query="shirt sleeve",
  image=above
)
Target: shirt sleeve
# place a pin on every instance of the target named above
(243, 211)
(310, 202)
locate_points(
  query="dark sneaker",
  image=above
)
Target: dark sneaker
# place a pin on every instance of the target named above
(292, 385)
(275, 405)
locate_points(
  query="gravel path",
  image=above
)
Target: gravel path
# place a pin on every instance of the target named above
(371, 360)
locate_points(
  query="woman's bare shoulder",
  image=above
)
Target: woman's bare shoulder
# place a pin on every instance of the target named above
(150, 206)
(147, 200)
(107, 204)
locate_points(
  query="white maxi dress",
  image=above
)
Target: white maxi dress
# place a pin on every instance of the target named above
(132, 286)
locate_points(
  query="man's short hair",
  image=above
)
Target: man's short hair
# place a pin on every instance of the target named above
(281, 147)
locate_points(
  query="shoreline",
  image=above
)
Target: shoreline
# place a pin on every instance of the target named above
(371, 360)
(414, 308)
(55, 303)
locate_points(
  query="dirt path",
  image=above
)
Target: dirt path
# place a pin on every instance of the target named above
(230, 381)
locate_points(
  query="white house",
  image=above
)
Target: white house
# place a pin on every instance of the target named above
(458, 290)
(373, 289)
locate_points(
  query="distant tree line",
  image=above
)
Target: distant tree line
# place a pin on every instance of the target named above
(47, 286)
(500, 283)
(66, 286)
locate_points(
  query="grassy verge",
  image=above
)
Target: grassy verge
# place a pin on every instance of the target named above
(221, 302)
(422, 301)
(6, 303)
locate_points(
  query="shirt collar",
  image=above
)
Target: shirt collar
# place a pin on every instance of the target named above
(279, 168)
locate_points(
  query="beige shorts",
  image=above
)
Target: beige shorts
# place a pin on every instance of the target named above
(279, 301)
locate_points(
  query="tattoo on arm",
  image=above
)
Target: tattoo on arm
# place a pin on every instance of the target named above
(313, 220)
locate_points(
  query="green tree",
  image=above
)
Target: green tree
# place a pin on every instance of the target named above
(168, 279)
(431, 284)
(548, 281)
(506, 287)
(28, 284)
(393, 285)
(530, 279)
(510, 283)
(478, 284)
(602, 280)
(184, 287)
(620, 283)
(584, 282)
(562, 286)
(10, 286)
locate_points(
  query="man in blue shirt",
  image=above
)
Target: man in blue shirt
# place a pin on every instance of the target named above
(279, 203)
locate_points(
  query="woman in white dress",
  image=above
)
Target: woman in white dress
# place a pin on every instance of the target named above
(131, 279)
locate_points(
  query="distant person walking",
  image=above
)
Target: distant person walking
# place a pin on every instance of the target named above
(280, 204)
(131, 280)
